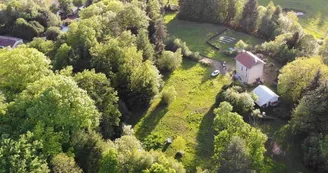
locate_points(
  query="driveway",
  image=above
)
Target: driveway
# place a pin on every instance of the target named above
(216, 64)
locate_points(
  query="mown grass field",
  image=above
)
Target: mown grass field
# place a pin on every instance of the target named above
(190, 116)
(196, 35)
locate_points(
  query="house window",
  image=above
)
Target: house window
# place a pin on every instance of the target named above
(246, 69)
(241, 68)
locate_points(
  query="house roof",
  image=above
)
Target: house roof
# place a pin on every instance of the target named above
(248, 59)
(9, 41)
(264, 95)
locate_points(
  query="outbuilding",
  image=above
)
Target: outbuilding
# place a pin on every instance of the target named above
(266, 97)
(11, 42)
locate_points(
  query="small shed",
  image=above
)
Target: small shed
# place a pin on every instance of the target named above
(266, 97)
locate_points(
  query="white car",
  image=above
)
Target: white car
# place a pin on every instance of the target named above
(215, 73)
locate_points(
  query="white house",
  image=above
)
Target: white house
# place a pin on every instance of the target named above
(266, 97)
(249, 67)
(11, 42)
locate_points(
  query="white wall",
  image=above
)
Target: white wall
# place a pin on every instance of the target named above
(255, 72)
(241, 71)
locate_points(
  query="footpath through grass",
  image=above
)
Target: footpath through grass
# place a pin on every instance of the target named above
(189, 118)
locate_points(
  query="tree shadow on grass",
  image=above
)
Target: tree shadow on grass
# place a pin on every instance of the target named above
(205, 139)
(148, 123)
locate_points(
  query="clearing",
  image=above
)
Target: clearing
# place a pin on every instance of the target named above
(190, 116)
(196, 35)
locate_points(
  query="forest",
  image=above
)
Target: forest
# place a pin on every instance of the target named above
(120, 92)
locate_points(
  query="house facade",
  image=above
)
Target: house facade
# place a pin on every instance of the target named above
(249, 68)
(11, 42)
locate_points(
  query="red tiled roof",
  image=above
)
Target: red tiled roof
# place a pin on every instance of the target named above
(8, 41)
(248, 59)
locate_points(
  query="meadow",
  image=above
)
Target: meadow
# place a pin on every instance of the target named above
(196, 35)
(189, 118)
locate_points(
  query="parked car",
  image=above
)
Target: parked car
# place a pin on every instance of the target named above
(215, 73)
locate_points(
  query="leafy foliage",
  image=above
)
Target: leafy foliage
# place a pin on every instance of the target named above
(228, 125)
(19, 67)
(62, 163)
(26, 18)
(169, 61)
(169, 95)
(53, 108)
(105, 97)
(243, 102)
(315, 149)
(310, 113)
(22, 155)
(291, 85)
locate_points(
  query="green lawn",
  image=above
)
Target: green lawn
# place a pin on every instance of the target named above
(316, 20)
(190, 116)
(196, 35)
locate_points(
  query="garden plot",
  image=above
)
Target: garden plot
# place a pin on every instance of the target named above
(226, 39)
(229, 38)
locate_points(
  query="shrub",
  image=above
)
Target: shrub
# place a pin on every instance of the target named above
(241, 45)
(154, 141)
(243, 102)
(174, 45)
(179, 144)
(169, 95)
(169, 61)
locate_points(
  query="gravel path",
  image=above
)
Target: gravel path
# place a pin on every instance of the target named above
(216, 64)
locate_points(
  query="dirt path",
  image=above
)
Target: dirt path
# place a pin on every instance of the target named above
(216, 64)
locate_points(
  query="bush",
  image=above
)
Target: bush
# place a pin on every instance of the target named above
(52, 33)
(169, 95)
(242, 102)
(154, 141)
(169, 61)
(174, 45)
(241, 45)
